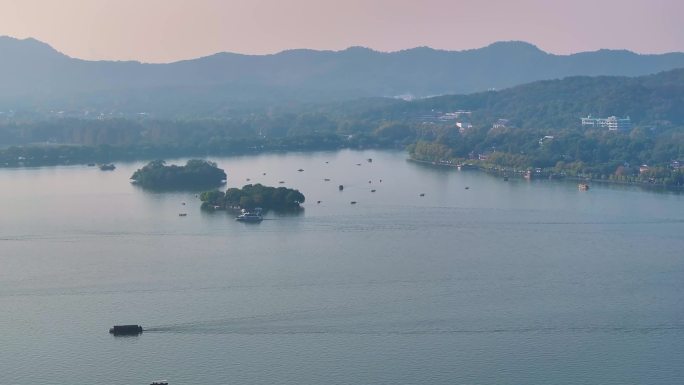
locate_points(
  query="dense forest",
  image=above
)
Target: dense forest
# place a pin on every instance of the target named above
(194, 174)
(544, 130)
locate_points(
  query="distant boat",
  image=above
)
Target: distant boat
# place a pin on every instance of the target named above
(318, 202)
(281, 182)
(126, 330)
(467, 188)
(183, 203)
(326, 179)
(182, 214)
(370, 160)
(370, 181)
(353, 202)
(583, 187)
(358, 164)
(250, 216)
(247, 179)
(300, 170)
(340, 187)
(372, 190)
(422, 194)
(263, 174)
(160, 382)
(107, 167)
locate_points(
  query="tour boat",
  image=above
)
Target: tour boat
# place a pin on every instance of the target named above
(250, 216)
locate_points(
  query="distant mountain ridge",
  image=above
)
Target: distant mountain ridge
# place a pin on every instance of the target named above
(30, 69)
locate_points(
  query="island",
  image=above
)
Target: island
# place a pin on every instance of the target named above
(251, 196)
(195, 174)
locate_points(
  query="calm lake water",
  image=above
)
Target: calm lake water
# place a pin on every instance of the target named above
(503, 283)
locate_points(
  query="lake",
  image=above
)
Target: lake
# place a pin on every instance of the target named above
(511, 282)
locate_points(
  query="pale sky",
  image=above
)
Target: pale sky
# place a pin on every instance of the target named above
(169, 30)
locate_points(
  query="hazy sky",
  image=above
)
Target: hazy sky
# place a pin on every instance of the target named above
(168, 30)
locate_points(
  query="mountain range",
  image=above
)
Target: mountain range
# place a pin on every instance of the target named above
(34, 74)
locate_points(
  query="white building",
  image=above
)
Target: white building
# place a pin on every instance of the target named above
(463, 126)
(502, 123)
(612, 123)
(454, 115)
(545, 139)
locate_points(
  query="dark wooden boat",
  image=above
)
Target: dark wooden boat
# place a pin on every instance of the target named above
(126, 330)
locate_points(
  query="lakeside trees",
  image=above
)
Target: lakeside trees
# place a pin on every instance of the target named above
(549, 109)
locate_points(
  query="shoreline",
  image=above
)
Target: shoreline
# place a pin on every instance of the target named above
(491, 171)
(250, 152)
(165, 153)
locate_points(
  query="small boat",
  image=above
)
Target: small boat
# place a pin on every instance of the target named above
(250, 216)
(422, 194)
(182, 214)
(370, 181)
(583, 186)
(372, 190)
(340, 187)
(107, 167)
(358, 164)
(247, 179)
(160, 382)
(370, 160)
(263, 174)
(353, 202)
(126, 330)
(183, 203)
(318, 202)
(281, 182)
(300, 170)
(326, 180)
(467, 187)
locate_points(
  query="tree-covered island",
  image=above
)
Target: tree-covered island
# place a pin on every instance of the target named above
(196, 173)
(251, 196)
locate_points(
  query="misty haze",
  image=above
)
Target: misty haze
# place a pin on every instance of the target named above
(327, 192)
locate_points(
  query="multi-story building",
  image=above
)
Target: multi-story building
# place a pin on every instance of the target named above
(612, 123)
(463, 126)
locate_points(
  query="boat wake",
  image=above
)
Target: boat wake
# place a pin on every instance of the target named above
(281, 327)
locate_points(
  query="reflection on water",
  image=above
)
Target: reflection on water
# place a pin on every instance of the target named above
(194, 189)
